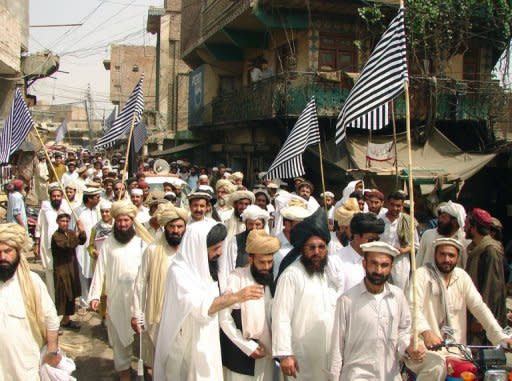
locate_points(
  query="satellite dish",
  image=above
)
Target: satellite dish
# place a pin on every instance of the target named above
(160, 166)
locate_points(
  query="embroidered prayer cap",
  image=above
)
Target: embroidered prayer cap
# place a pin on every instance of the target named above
(481, 217)
(314, 225)
(260, 242)
(447, 241)
(380, 247)
(136, 192)
(54, 187)
(92, 191)
(240, 195)
(167, 212)
(105, 204)
(343, 215)
(71, 185)
(327, 194)
(124, 207)
(253, 212)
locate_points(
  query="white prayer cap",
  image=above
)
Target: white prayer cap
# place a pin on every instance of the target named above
(327, 194)
(448, 241)
(54, 187)
(92, 191)
(205, 188)
(226, 175)
(273, 186)
(254, 212)
(215, 169)
(136, 192)
(71, 185)
(170, 194)
(455, 210)
(203, 177)
(105, 204)
(380, 247)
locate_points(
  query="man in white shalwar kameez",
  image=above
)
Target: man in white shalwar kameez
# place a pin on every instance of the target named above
(304, 303)
(188, 343)
(28, 319)
(239, 200)
(89, 214)
(246, 339)
(41, 177)
(46, 226)
(136, 196)
(148, 293)
(223, 189)
(116, 268)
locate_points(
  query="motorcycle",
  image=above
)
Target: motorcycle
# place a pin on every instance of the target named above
(470, 362)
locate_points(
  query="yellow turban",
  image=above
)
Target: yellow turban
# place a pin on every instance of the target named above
(259, 242)
(123, 207)
(346, 211)
(167, 212)
(16, 236)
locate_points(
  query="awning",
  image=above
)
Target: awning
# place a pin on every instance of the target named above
(438, 158)
(173, 150)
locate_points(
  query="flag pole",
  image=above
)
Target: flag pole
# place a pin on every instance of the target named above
(323, 178)
(394, 143)
(55, 172)
(411, 213)
(128, 151)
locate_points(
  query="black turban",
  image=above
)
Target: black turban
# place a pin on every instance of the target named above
(316, 224)
(366, 223)
(217, 234)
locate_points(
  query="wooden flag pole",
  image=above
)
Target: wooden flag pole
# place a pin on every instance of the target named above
(127, 153)
(411, 213)
(323, 178)
(55, 172)
(397, 185)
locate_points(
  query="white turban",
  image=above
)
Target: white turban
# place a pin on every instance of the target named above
(136, 192)
(455, 210)
(254, 212)
(105, 204)
(226, 184)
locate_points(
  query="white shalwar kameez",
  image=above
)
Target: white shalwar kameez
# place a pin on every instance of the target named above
(302, 320)
(46, 226)
(143, 215)
(188, 343)
(141, 292)
(283, 251)
(352, 265)
(117, 266)
(89, 218)
(21, 353)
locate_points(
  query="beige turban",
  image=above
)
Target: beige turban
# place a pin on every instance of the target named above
(237, 176)
(16, 236)
(343, 215)
(226, 184)
(259, 242)
(125, 207)
(167, 212)
(240, 195)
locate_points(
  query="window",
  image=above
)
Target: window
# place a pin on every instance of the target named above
(337, 52)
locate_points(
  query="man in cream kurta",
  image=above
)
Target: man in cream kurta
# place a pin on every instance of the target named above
(116, 268)
(304, 303)
(246, 340)
(149, 287)
(460, 295)
(20, 357)
(188, 343)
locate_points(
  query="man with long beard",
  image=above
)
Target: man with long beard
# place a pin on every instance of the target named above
(372, 323)
(28, 319)
(303, 308)
(188, 343)
(148, 293)
(117, 268)
(451, 217)
(245, 338)
(239, 200)
(223, 189)
(46, 226)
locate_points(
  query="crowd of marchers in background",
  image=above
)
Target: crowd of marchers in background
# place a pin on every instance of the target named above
(219, 275)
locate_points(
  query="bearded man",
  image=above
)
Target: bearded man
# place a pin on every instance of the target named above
(304, 303)
(188, 344)
(149, 288)
(46, 226)
(116, 268)
(28, 319)
(246, 341)
(239, 200)
(223, 189)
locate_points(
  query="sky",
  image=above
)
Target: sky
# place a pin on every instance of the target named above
(82, 49)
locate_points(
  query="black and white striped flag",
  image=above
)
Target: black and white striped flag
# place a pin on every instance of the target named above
(17, 126)
(139, 135)
(123, 122)
(288, 162)
(382, 80)
(107, 123)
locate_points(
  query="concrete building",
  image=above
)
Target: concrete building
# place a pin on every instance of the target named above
(172, 78)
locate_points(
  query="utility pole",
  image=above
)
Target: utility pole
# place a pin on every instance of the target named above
(88, 112)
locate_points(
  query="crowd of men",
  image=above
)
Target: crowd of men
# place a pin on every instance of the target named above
(218, 282)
